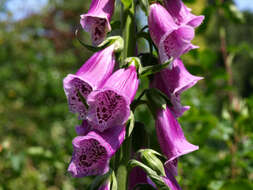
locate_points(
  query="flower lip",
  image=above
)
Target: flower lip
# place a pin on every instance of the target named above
(74, 87)
(90, 157)
(93, 151)
(107, 108)
(98, 26)
(175, 43)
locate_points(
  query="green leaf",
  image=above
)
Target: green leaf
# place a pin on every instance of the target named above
(149, 70)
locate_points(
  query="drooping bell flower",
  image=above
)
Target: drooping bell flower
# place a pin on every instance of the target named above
(181, 14)
(89, 77)
(171, 39)
(170, 136)
(93, 151)
(110, 105)
(173, 82)
(97, 20)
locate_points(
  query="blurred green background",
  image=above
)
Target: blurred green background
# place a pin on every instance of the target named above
(38, 49)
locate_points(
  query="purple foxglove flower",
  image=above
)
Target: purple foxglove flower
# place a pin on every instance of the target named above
(170, 136)
(93, 151)
(88, 78)
(181, 14)
(110, 105)
(173, 82)
(172, 40)
(97, 20)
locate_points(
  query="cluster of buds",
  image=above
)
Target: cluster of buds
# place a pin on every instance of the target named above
(101, 94)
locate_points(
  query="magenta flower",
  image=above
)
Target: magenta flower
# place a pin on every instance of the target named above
(171, 137)
(97, 20)
(172, 40)
(110, 105)
(88, 78)
(181, 14)
(93, 151)
(173, 82)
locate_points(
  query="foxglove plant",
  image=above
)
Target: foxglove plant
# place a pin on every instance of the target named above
(97, 20)
(102, 93)
(89, 77)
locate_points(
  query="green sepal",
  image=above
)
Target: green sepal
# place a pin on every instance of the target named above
(151, 173)
(130, 125)
(116, 40)
(150, 70)
(114, 183)
(133, 61)
(127, 3)
(148, 156)
(157, 100)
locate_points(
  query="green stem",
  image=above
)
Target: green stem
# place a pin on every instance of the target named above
(123, 155)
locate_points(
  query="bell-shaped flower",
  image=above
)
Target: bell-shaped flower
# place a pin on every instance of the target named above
(110, 105)
(170, 136)
(171, 39)
(97, 20)
(89, 77)
(173, 81)
(93, 151)
(181, 14)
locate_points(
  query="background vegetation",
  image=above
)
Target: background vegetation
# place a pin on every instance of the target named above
(36, 129)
